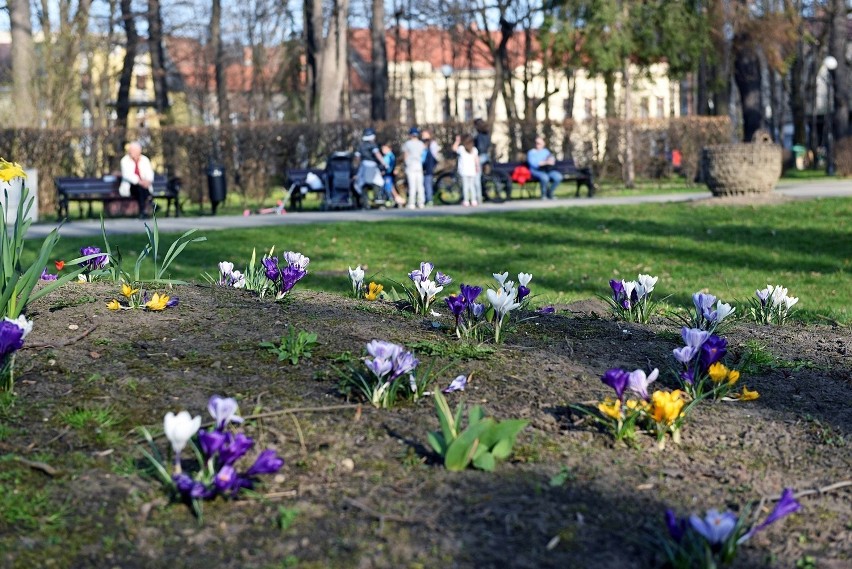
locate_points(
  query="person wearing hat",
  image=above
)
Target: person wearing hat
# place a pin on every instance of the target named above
(412, 152)
(370, 166)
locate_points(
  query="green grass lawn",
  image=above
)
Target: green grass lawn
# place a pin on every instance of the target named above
(572, 252)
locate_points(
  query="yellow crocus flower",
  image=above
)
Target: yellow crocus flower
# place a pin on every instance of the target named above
(113, 305)
(128, 291)
(717, 372)
(9, 170)
(733, 377)
(639, 405)
(157, 302)
(611, 408)
(667, 406)
(748, 395)
(373, 291)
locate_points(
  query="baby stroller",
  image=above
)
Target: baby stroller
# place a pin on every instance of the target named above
(338, 184)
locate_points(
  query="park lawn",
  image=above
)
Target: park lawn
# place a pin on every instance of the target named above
(572, 252)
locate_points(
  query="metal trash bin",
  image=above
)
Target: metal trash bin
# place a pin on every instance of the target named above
(799, 153)
(216, 185)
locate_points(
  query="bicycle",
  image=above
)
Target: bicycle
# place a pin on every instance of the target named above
(448, 187)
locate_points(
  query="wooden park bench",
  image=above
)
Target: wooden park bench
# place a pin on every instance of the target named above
(569, 171)
(105, 190)
(296, 182)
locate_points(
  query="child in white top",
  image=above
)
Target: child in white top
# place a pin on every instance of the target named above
(468, 169)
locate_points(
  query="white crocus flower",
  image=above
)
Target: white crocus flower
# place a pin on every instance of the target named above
(501, 277)
(629, 287)
(238, 280)
(524, 278)
(296, 260)
(356, 275)
(428, 289)
(789, 301)
(638, 382)
(27, 325)
(179, 429)
(502, 300)
(723, 311)
(226, 268)
(646, 284)
(508, 286)
(779, 293)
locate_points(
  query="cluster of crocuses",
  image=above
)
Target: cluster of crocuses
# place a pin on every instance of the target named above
(506, 297)
(426, 289)
(230, 277)
(772, 305)
(702, 370)
(631, 300)
(135, 298)
(12, 334)
(220, 450)
(284, 278)
(391, 375)
(713, 540)
(468, 313)
(662, 411)
(359, 289)
(706, 317)
(98, 261)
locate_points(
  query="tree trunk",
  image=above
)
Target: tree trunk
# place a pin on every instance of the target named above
(840, 76)
(379, 66)
(747, 76)
(628, 168)
(797, 93)
(158, 61)
(313, 55)
(333, 65)
(23, 58)
(219, 63)
(122, 101)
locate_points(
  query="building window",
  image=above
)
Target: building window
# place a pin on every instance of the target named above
(661, 107)
(566, 108)
(406, 110)
(141, 82)
(468, 110)
(644, 110)
(588, 108)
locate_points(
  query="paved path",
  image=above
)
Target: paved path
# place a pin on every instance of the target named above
(90, 228)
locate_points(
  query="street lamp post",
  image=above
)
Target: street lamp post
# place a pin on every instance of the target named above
(830, 64)
(447, 71)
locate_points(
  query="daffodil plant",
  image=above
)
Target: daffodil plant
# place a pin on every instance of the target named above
(713, 540)
(217, 454)
(772, 305)
(631, 300)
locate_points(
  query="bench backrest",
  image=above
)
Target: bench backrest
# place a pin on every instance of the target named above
(109, 184)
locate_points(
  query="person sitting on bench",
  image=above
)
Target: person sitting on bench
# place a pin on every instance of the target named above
(137, 176)
(541, 162)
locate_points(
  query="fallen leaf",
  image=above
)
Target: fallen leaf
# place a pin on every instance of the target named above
(94, 355)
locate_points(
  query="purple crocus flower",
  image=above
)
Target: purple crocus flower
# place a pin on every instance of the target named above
(405, 362)
(442, 280)
(786, 505)
(713, 350)
(456, 304)
(694, 337)
(297, 260)
(224, 411)
(703, 302)
(716, 527)
(383, 349)
(549, 309)
(638, 382)
(458, 384)
(271, 266)
(685, 354)
(173, 301)
(470, 293)
(522, 292)
(763, 295)
(675, 525)
(191, 488)
(379, 366)
(619, 295)
(211, 442)
(290, 276)
(234, 448)
(477, 309)
(617, 379)
(11, 337)
(95, 262)
(45, 276)
(688, 376)
(416, 276)
(267, 463)
(227, 481)
(426, 269)
(183, 482)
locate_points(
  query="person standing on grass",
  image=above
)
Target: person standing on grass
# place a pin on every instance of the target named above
(431, 157)
(469, 169)
(137, 177)
(412, 152)
(371, 165)
(541, 162)
(482, 142)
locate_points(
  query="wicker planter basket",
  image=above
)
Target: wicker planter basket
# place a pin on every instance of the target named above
(739, 169)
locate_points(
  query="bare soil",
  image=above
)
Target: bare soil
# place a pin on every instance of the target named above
(360, 487)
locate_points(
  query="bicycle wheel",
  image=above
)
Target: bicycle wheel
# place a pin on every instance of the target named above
(492, 188)
(448, 189)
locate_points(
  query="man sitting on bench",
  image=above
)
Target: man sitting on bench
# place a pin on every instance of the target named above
(541, 162)
(137, 176)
